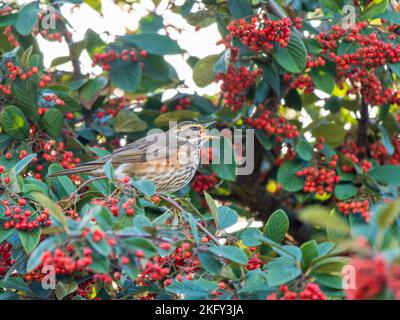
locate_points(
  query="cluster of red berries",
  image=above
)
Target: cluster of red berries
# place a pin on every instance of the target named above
(128, 205)
(303, 82)
(114, 106)
(361, 207)
(235, 83)
(365, 165)
(22, 219)
(182, 260)
(260, 33)
(5, 257)
(273, 124)
(319, 179)
(47, 101)
(359, 66)
(202, 182)
(310, 292)
(52, 152)
(284, 157)
(104, 59)
(65, 262)
(44, 80)
(183, 103)
(371, 274)
(15, 72)
(379, 153)
(51, 36)
(255, 262)
(12, 40)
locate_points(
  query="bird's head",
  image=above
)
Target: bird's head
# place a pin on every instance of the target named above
(194, 132)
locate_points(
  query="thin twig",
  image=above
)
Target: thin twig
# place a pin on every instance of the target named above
(198, 224)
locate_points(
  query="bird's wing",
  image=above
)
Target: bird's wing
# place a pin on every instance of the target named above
(151, 147)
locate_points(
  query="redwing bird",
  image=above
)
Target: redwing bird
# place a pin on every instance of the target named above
(168, 159)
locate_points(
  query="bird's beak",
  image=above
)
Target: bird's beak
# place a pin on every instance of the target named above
(208, 124)
(206, 135)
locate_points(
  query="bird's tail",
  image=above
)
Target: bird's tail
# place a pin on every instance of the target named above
(88, 169)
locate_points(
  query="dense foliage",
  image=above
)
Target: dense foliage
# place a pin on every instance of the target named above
(322, 96)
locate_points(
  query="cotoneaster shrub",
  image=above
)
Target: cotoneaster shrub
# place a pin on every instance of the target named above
(322, 97)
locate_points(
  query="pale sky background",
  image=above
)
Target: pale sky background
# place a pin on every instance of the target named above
(116, 21)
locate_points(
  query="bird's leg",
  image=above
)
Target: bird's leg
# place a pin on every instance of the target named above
(198, 224)
(73, 194)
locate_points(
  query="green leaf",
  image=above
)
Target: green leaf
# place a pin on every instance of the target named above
(54, 209)
(5, 233)
(264, 140)
(226, 217)
(126, 75)
(95, 4)
(250, 237)
(27, 18)
(59, 61)
(64, 289)
(324, 78)
(203, 71)
(154, 43)
(30, 239)
(15, 123)
(91, 90)
(388, 215)
(374, 8)
(210, 263)
(386, 141)
(309, 251)
(53, 122)
(333, 133)
(23, 163)
(26, 97)
(240, 8)
(178, 115)
(333, 265)
(304, 150)
(322, 217)
(212, 205)
(102, 247)
(287, 177)
(387, 174)
(345, 191)
(331, 281)
(282, 270)
(144, 186)
(293, 58)
(334, 5)
(109, 170)
(128, 121)
(391, 16)
(233, 254)
(193, 227)
(62, 185)
(277, 226)
(198, 289)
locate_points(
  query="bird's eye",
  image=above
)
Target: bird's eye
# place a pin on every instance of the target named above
(196, 128)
